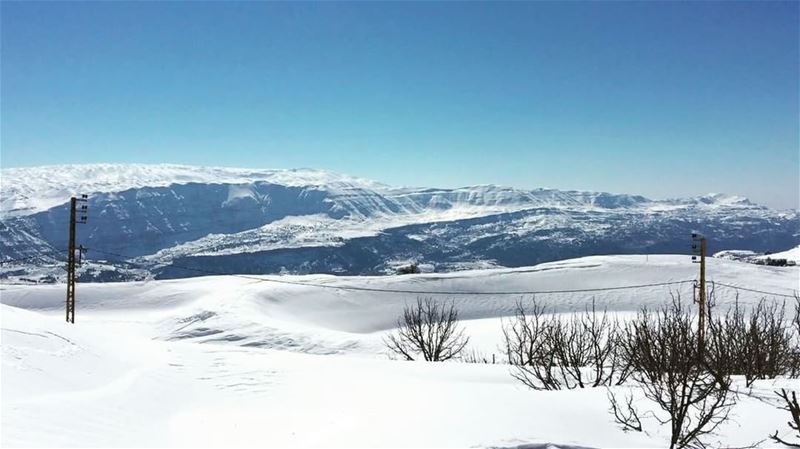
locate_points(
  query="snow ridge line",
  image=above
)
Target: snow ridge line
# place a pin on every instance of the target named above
(383, 290)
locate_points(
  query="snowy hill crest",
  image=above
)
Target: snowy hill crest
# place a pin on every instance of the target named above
(33, 189)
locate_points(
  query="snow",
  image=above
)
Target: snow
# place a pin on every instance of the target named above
(28, 190)
(792, 254)
(314, 230)
(242, 361)
(736, 254)
(171, 212)
(32, 189)
(789, 254)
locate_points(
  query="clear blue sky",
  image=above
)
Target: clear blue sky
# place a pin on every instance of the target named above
(661, 99)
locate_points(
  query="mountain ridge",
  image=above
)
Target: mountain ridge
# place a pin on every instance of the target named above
(315, 221)
(53, 184)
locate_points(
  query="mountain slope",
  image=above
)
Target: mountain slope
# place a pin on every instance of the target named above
(311, 221)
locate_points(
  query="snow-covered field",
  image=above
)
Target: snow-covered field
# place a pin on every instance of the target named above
(790, 254)
(244, 361)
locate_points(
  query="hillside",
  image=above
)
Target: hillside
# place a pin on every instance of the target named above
(164, 217)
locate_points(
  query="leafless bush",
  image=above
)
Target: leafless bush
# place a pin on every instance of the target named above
(790, 404)
(770, 339)
(727, 341)
(758, 346)
(795, 370)
(430, 330)
(663, 350)
(550, 353)
(796, 320)
(525, 340)
(588, 340)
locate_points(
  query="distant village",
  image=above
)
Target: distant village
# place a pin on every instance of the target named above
(773, 260)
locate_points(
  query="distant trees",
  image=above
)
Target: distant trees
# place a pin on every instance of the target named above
(409, 269)
(430, 330)
(776, 262)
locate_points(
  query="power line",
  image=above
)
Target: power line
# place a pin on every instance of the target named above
(763, 292)
(379, 290)
(418, 292)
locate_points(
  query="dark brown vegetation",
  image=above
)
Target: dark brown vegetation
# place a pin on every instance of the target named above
(409, 269)
(788, 399)
(760, 344)
(430, 330)
(790, 404)
(666, 360)
(658, 355)
(550, 353)
(672, 374)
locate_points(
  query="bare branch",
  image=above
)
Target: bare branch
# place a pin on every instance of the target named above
(628, 417)
(663, 350)
(430, 330)
(789, 398)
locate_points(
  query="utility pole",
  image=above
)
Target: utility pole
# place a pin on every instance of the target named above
(699, 248)
(74, 218)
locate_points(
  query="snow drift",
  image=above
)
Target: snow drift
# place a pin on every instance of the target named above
(245, 361)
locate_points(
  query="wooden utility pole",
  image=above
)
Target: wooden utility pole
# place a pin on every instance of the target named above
(699, 247)
(74, 218)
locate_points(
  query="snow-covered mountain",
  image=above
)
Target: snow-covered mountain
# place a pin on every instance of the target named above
(167, 217)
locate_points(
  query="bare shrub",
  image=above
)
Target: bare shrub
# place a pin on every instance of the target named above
(758, 346)
(549, 353)
(727, 341)
(796, 320)
(525, 340)
(770, 348)
(663, 350)
(430, 330)
(790, 404)
(587, 340)
(795, 370)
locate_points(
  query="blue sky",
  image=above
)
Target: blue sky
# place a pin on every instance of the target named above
(661, 99)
